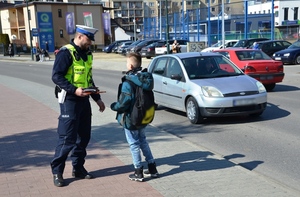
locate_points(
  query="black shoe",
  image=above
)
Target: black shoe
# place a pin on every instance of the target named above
(58, 180)
(81, 174)
(138, 175)
(152, 171)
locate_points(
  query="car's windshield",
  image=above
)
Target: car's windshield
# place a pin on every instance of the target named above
(295, 45)
(252, 55)
(135, 43)
(218, 44)
(210, 67)
(240, 43)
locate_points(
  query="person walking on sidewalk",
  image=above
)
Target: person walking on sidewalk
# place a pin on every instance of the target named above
(136, 136)
(72, 73)
(10, 50)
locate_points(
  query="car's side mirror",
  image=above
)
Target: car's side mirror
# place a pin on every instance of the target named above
(176, 77)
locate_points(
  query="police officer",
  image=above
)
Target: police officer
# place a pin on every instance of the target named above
(72, 73)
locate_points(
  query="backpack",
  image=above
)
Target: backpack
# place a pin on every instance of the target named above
(143, 110)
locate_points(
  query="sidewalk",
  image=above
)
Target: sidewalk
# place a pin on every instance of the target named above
(28, 137)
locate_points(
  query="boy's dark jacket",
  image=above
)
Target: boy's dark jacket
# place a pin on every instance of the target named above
(126, 96)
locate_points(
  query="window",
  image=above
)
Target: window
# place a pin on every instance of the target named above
(295, 13)
(59, 13)
(173, 68)
(286, 14)
(160, 66)
(151, 4)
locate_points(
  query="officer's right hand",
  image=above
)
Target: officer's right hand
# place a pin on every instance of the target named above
(79, 92)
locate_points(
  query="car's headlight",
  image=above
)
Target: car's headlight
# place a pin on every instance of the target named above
(261, 87)
(210, 91)
(286, 54)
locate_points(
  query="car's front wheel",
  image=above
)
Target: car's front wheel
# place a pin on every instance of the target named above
(297, 60)
(193, 112)
(270, 87)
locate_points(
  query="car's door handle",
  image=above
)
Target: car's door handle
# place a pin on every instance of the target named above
(165, 83)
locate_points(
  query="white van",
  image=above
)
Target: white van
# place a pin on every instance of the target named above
(218, 45)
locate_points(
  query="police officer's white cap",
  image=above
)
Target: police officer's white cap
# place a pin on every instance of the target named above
(88, 31)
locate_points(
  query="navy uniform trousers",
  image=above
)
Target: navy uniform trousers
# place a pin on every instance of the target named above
(74, 131)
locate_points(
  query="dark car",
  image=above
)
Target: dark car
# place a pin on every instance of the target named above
(291, 55)
(123, 46)
(272, 46)
(142, 44)
(127, 50)
(248, 43)
(109, 48)
(149, 51)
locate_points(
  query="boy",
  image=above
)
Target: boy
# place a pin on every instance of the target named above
(135, 136)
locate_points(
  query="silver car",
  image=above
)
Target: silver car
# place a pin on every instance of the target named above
(205, 85)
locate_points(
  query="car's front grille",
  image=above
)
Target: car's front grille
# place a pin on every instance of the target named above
(234, 110)
(247, 93)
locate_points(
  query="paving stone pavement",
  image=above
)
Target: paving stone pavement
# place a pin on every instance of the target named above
(28, 136)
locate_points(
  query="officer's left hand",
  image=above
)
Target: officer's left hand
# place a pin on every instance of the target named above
(101, 105)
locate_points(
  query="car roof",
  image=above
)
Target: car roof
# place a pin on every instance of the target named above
(235, 49)
(254, 39)
(266, 41)
(191, 54)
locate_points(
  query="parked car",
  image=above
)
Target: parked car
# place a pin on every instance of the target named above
(127, 50)
(256, 64)
(149, 51)
(248, 43)
(109, 48)
(181, 83)
(123, 46)
(163, 49)
(142, 44)
(269, 47)
(291, 55)
(219, 45)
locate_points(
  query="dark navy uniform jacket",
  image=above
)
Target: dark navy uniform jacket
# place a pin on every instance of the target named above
(62, 63)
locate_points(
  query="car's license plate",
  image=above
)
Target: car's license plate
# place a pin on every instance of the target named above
(277, 58)
(143, 53)
(241, 102)
(266, 78)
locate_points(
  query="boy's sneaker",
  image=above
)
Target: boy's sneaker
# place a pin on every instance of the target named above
(138, 175)
(152, 171)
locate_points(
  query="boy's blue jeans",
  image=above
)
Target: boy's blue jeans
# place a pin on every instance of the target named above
(137, 141)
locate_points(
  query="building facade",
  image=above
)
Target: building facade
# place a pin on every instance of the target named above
(52, 22)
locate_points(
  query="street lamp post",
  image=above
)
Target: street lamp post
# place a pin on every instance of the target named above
(134, 23)
(160, 30)
(30, 36)
(272, 21)
(223, 25)
(167, 28)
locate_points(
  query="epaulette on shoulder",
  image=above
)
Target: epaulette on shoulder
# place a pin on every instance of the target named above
(63, 48)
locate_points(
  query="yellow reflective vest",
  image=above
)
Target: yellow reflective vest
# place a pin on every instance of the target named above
(80, 72)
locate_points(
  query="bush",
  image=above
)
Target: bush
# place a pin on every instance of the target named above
(4, 41)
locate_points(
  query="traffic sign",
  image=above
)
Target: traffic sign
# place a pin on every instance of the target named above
(35, 32)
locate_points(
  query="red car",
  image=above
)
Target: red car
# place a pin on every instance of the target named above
(256, 64)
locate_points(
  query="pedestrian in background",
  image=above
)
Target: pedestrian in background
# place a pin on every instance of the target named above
(74, 123)
(136, 136)
(176, 48)
(42, 54)
(10, 50)
(47, 50)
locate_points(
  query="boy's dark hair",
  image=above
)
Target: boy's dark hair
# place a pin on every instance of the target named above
(137, 57)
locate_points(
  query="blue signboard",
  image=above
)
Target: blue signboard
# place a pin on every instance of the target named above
(45, 26)
(35, 32)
